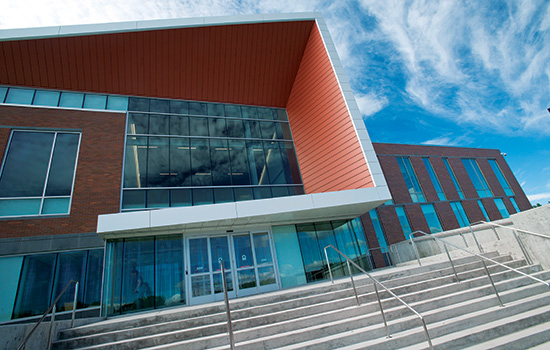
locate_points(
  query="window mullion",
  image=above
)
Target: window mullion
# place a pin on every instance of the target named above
(48, 173)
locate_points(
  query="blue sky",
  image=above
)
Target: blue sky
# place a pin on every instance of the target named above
(455, 73)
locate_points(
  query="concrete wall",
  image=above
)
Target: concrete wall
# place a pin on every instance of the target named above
(535, 220)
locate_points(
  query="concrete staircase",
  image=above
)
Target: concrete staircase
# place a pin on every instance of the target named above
(326, 316)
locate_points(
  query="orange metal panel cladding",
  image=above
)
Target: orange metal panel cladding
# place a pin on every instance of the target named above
(328, 150)
(253, 64)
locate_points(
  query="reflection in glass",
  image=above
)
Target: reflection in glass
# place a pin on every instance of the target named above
(181, 198)
(243, 194)
(138, 274)
(71, 100)
(200, 285)
(219, 248)
(235, 128)
(266, 275)
(170, 285)
(158, 198)
(247, 278)
(202, 196)
(180, 162)
(179, 107)
(117, 103)
(197, 108)
(161, 106)
(133, 199)
(216, 127)
(233, 111)
(218, 286)
(158, 171)
(47, 98)
(159, 124)
(135, 162)
(198, 249)
(56, 205)
(60, 179)
(200, 163)
(95, 101)
(261, 248)
(138, 104)
(219, 155)
(243, 251)
(70, 266)
(94, 272)
(179, 125)
(20, 96)
(223, 195)
(138, 123)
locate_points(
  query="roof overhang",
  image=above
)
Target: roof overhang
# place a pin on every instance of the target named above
(240, 215)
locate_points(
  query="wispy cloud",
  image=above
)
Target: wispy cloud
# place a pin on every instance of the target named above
(370, 103)
(541, 198)
(449, 140)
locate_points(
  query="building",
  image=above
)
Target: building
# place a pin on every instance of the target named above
(148, 150)
(437, 188)
(136, 154)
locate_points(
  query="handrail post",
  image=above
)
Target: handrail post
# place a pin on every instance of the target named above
(525, 254)
(415, 249)
(475, 239)
(52, 321)
(492, 283)
(74, 304)
(328, 264)
(452, 263)
(464, 239)
(353, 283)
(382, 311)
(495, 231)
(228, 311)
(427, 334)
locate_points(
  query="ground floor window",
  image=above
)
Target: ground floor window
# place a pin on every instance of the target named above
(43, 277)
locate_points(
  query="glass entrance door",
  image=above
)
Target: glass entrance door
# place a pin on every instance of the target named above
(247, 256)
(204, 274)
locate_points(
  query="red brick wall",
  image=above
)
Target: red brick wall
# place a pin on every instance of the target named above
(98, 174)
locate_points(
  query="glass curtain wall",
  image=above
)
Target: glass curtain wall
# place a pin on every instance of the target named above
(410, 179)
(143, 273)
(181, 153)
(346, 236)
(435, 180)
(501, 179)
(44, 276)
(477, 178)
(453, 177)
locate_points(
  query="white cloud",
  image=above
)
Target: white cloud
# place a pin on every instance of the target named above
(541, 198)
(370, 103)
(449, 140)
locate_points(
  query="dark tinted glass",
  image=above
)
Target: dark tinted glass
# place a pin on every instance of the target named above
(202, 196)
(243, 194)
(60, 180)
(279, 191)
(223, 195)
(161, 106)
(215, 110)
(197, 108)
(233, 111)
(179, 107)
(200, 163)
(159, 124)
(180, 162)
(138, 274)
(135, 166)
(138, 104)
(198, 126)
(265, 113)
(268, 130)
(158, 170)
(252, 129)
(249, 112)
(262, 192)
(170, 286)
(26, 164)
(235, 128)
(257, 162)
(274, 162)
(219, 155)
(216, 127)
(181, 198)
(158, 198)
(133, 199)
(94, 272)
(34, 292)
(311, 255)
(239, 163)
(179, 125)
(138, 123)
(70, 266)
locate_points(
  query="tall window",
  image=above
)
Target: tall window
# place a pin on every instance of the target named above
(431, 218)
(460, 214)
(482, 207)
(515, 204)
(435, 180)
(477, 177)
(502, 208)
(38, 172)
(500, 176)
(378, 229)
(404, 221)
(453, 177)
(410, 179)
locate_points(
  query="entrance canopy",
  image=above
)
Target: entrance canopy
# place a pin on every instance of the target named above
(239, 215)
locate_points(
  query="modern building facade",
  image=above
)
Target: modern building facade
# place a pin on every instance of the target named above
(137, 154)
(437, 188)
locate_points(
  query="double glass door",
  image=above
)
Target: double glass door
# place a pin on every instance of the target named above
(248, 263)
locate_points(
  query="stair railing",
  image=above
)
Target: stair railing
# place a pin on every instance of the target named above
(227, 309)
(483, 259)
(52, 308)
(516, 236)
(376, 282)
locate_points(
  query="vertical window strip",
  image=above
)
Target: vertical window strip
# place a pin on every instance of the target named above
(502, 208)
(482, 207)
(460, 214)
(477, 177)
(415, 190)
(515, 204)
(431, 218)
(382, 242)
(453, 177)
(501, 179)
(404, 221)
(435, 180)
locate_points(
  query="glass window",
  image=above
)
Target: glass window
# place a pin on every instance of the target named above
(431, 218)
(378, 229)
(133, 199)
(410, 179)
(515, 204)
(158, 198)
(138, 272)
(158, 166)
(95, 101)
(233, 111)
(46, 98)
(160, 106)
(500, 176)
(3, 92)
(482, 207)
(38, 165)
(477, 177)
(159, 124)
(117, 103)
(70, 266)
(20, 96)
(249, 112)
(435, 180)
(221, 170)
(404, 221)
(453, 177)
(94, 274)
(169, 278)
(71, 100)
(460, 214)
(180, 162)
(135, 164)
(502, 208)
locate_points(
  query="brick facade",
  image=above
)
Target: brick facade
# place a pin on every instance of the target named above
(97, 184)
(387, 154)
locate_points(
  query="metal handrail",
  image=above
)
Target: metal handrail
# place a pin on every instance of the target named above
(227, 309)
(514, 230)
(376, 282)
(483, 258)
(52, 320)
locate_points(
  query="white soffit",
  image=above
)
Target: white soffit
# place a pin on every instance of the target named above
(229, 216)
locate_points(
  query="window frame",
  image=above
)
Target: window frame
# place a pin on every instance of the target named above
(43, 196)
(435, 180)
(485, 190)
(416, 196)
(504, 183)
